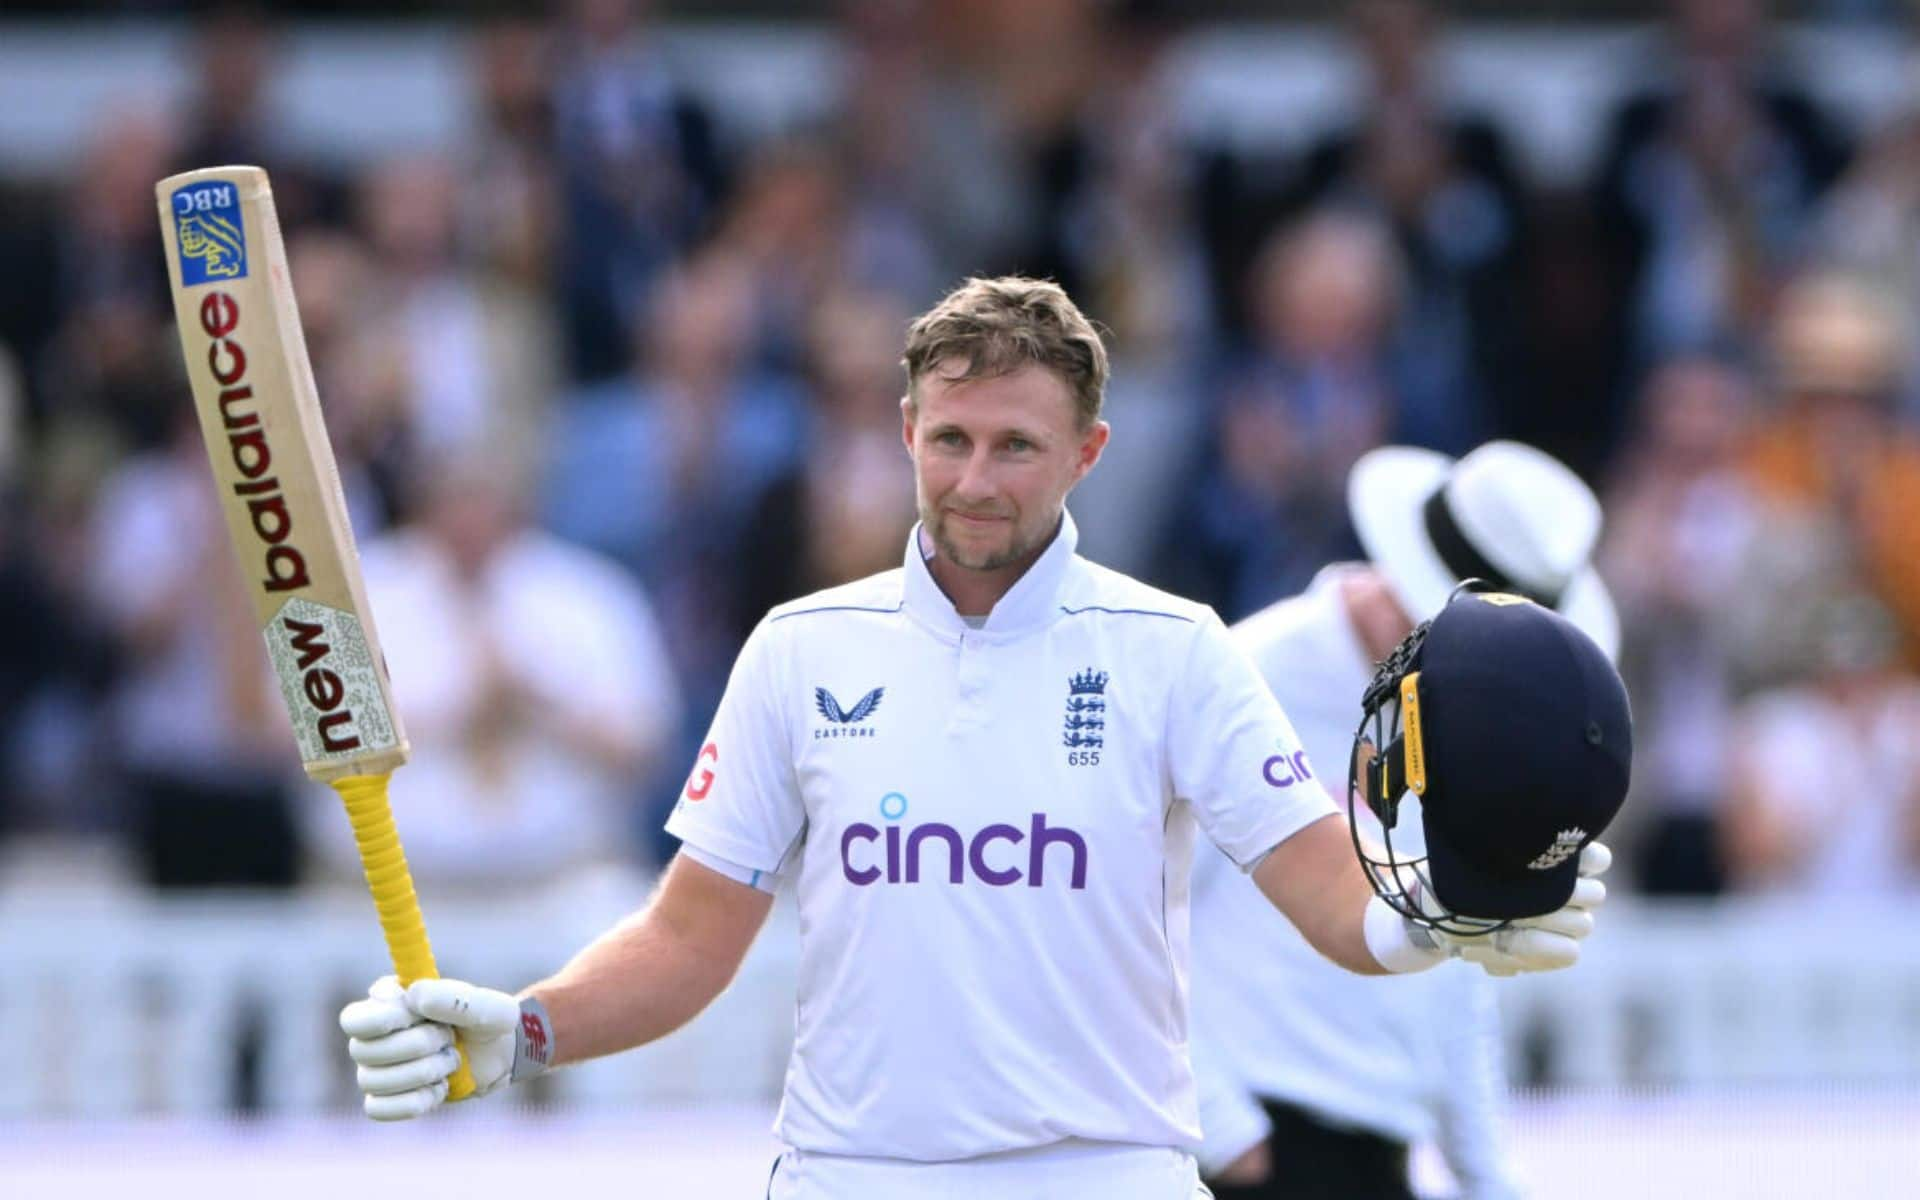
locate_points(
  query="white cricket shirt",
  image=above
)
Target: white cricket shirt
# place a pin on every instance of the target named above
(1407, 1056)
(991, 831)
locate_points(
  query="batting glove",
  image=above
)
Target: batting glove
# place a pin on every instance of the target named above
(1546, 943)
(403, 1042)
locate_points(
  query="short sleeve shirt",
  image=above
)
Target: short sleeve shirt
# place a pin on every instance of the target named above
(990, 831)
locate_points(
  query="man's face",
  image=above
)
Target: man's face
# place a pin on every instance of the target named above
(993, 461)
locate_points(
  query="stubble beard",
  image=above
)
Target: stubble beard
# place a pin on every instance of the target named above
(991, 560)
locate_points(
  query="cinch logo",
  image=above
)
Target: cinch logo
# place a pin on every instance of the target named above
(1283, 771)
(843, 720)
(901, 860)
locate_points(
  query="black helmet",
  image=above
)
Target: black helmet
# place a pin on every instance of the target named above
(1512, 728)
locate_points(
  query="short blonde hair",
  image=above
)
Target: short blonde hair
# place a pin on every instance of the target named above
(1001, 325)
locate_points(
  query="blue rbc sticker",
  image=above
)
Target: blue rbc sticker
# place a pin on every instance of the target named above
(212, 235)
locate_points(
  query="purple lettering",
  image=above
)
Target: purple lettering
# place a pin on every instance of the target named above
(1043, 836)
(857, 876)
(1280, 761)
(977, 856)
(956, 851)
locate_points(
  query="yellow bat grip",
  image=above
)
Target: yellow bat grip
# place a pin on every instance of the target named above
(387, 878)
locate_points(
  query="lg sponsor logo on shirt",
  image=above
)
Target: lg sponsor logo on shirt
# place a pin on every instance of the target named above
(870, 855)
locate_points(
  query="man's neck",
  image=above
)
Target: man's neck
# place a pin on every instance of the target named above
(974, 593)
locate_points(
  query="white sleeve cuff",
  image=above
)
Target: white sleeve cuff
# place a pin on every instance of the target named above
(1391, 945)
(765, 881)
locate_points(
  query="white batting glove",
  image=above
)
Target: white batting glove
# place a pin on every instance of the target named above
(1546, 943)
(403, 1041)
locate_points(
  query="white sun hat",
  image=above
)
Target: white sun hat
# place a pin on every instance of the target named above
(1506, 513)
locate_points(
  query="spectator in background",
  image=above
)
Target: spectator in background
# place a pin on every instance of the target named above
(54, 659)
(1832, 457)
(509, 206)
(640, 176)
(1683, 523)
(360, 368)
(787, 228)
(1316, 392)
(1825, 798)
(1870, 228)
(1442, 179)
(232, 116)
(111, 362)
(1117, 225)
(663, 470)
(842, 513)
(206, 761)
(477, 349)
(1709, 181)
(877, 122)
(533, 680)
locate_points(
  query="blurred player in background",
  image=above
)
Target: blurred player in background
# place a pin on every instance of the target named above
(1315, 1082)
(984, 772)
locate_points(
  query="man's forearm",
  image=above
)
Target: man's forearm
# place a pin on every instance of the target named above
(654, 972)
(1314, 879)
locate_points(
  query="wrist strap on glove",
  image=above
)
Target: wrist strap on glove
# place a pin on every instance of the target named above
(532, 1042)
(1398, 944)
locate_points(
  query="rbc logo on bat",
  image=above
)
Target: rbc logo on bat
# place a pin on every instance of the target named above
(212, 236)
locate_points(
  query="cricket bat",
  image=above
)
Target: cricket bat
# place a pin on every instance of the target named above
(280, 490)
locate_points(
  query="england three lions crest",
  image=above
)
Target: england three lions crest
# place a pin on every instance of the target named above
(1086, 718)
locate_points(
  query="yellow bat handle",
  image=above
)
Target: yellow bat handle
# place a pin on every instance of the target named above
(386, 866)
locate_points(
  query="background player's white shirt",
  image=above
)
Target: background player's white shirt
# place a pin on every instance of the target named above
(991, 831)
(1407, 1056)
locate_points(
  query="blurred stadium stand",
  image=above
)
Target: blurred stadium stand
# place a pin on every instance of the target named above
(353, 93)
(1739, 997)
(1571, 261)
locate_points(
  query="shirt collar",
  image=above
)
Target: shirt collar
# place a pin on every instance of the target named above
(1032, 601)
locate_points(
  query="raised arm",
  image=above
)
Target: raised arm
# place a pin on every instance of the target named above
(1313, 879)
(639, 981)
(655, 971)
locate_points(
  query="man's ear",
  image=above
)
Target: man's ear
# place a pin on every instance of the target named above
(906, 422)
(1093, 443)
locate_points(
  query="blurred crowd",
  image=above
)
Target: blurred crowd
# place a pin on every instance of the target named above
(607, 379)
